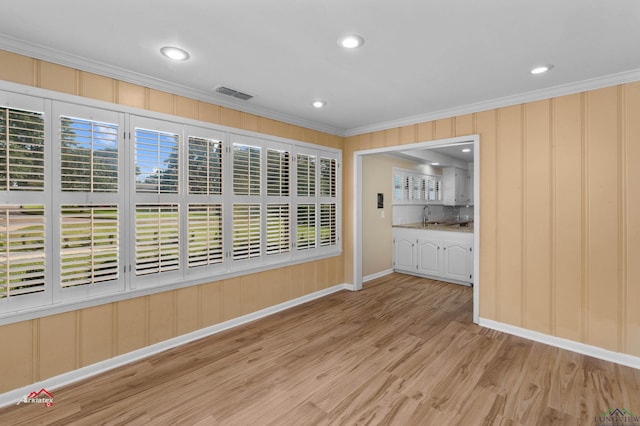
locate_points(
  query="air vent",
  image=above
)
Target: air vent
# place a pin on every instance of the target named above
(233, 93)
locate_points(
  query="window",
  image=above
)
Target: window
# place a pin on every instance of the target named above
(246, 169)
(277, 172)
(101, 202)
(328, 201)
(246, 231)
(22, 250)
(156, 161)
(327, 177)
(23, 231)
(278, 229)
(306, 170)
(328, 225)
(157, 238)
(21, 150)
(205, 234)
(306, 238)
(89, 246)
(410, 187)
(87, 170)
(205, 166)
(205, 209)
(89, 155)
(398, 186)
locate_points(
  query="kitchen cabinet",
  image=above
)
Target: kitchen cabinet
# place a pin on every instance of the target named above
(441, 255)
(455, 186)
(429, 255)
(404, 253)
(458, 260)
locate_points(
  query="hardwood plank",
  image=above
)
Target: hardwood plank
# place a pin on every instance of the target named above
(403, 351)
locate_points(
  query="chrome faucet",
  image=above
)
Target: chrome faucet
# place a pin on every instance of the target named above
(426, 211)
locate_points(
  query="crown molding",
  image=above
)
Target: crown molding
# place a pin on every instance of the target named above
(52, 55)
(536, 95)
(62, 58)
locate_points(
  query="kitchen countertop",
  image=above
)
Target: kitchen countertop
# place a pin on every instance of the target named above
(451, 226)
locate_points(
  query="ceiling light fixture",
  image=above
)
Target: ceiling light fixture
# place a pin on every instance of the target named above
(351, 41)
(318, 103)
(541, 69)
(175, 53)
(466, 150)
(435, 164)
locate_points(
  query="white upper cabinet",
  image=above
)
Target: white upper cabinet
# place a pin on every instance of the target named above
(455, 187)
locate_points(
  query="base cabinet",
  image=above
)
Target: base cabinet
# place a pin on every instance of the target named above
(458, 261)
(442, 255)
(429, 257)
(404, 254)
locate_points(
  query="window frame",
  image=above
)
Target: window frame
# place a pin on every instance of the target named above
(55, 299)
(61, 198)
(24, 198)
(203, 132)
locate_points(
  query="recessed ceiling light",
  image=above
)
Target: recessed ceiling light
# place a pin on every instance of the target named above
(435, 164)
(175, 53)
(318, 103)
(541, 69)
(466, 150)
(351, 41)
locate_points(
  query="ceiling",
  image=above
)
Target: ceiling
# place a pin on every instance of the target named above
(443, 156)
(420, 58)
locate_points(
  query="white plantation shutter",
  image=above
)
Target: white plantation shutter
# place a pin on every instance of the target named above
(416, 193)
(406, 187)
(96, 201)
(246, 169)
(306, 175)
(205, 166)
(278, 172)
(157, 162)
(398, 180)
(327, 177)
(157, 238)
(89, 155)
(278, 229)
(205, 234)
(328, 202)
(22, 250)
(306, 238)
(89, 244)
(204, 222)
(328, 225)
(246, 231)
(21, 150)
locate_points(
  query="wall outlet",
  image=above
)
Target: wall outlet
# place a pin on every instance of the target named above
(382, 214)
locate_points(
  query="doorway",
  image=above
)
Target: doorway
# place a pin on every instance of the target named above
(358, 210)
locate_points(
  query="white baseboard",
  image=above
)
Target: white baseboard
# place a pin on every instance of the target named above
(13, 396)
(377, 275)
(570, 345)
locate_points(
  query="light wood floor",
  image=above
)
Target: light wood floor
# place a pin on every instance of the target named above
(401, 352)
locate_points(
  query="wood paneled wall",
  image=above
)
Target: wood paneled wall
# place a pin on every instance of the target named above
(41, 348)
(560, 235)
(560, 212)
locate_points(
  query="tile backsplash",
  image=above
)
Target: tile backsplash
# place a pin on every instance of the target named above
(403, 214)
